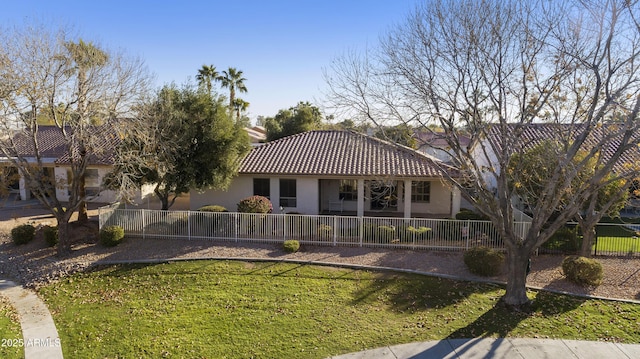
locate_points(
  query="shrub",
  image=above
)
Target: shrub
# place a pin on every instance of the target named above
(467, 214)
(212, 208)
(23, 234)
(111, 235)
(50, 235)
(564, 239)
(417, 233)
(291, 245)
(484, 261)
(324, 230)
(386, 234)
(255, 204)
(582, 270)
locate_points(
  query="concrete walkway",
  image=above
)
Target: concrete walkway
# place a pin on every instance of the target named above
(501, 348)
(39, 332)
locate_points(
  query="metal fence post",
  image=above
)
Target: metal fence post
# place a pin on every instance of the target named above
(284, 226)
(335, 231)
(468, 233)
(361, 229)
(236, 227)
(143, 225)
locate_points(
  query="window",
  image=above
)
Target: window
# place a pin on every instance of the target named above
(288, 193)
(262, 187)
(348, 190)
(421, 192)
(91, 174)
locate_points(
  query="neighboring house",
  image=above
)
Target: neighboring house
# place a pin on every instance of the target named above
(257, 135)
(435, 144)
(57, 162)
(340, 172)
(533, 134)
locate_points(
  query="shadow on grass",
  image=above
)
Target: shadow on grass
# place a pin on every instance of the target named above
(416, 292)
(500, 321)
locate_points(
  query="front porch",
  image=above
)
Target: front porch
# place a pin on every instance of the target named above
(399, 198)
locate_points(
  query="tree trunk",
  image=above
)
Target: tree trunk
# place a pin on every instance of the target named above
(516, 294)
(83, 216)
(163, 196)
(588, 237)
(64, 242)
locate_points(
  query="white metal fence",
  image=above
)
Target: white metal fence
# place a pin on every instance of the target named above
(414, 233)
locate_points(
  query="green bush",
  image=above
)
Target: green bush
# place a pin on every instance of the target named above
(212, 208)
(467, 214)
(564, 239)
(324, 230)
(50, 235)
(111, 235)
(582, 270)
(484, 261)
(255, 204)
(412, 233)
(386, 234)
(23, 234)
(380, 234)
(291, 245)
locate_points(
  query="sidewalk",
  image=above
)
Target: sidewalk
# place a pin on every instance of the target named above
(501, 348)
(39, 332)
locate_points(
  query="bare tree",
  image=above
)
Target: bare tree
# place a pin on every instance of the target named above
(76, 86)
(492, 69)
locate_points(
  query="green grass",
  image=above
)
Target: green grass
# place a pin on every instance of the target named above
(621, 245)
(220, 309)
(10, 332)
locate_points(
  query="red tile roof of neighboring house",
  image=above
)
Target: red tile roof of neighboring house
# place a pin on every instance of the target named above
(438, 139)
(53, 144)
(339, 153)
(533, 134)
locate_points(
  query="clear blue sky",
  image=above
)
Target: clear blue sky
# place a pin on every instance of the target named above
(281, 45)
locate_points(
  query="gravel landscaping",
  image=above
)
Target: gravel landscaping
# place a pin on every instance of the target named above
(34, 264)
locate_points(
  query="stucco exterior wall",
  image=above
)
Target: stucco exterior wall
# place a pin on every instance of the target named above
(62, 188)
(241, 187)
(308, 200)
(439, 203)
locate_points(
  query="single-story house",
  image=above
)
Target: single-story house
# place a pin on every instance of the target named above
(56, 161)
(344, 172)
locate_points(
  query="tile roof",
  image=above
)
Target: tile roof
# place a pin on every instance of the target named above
(438, 139)
(533, 134)
(339, 153)
(52, 144)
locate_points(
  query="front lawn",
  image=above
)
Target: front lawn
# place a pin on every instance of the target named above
(222, 309)
(10, 332)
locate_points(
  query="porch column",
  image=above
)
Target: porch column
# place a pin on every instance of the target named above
(407, 198)
(61, 180)
(24, 191)
(455, 201)
(360, 197)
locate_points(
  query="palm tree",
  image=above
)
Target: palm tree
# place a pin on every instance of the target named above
(240, 105)
(205, 75)
(83, 56)
(234, 81)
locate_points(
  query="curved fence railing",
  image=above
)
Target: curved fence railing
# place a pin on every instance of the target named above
(414, 233)
(329, 230)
